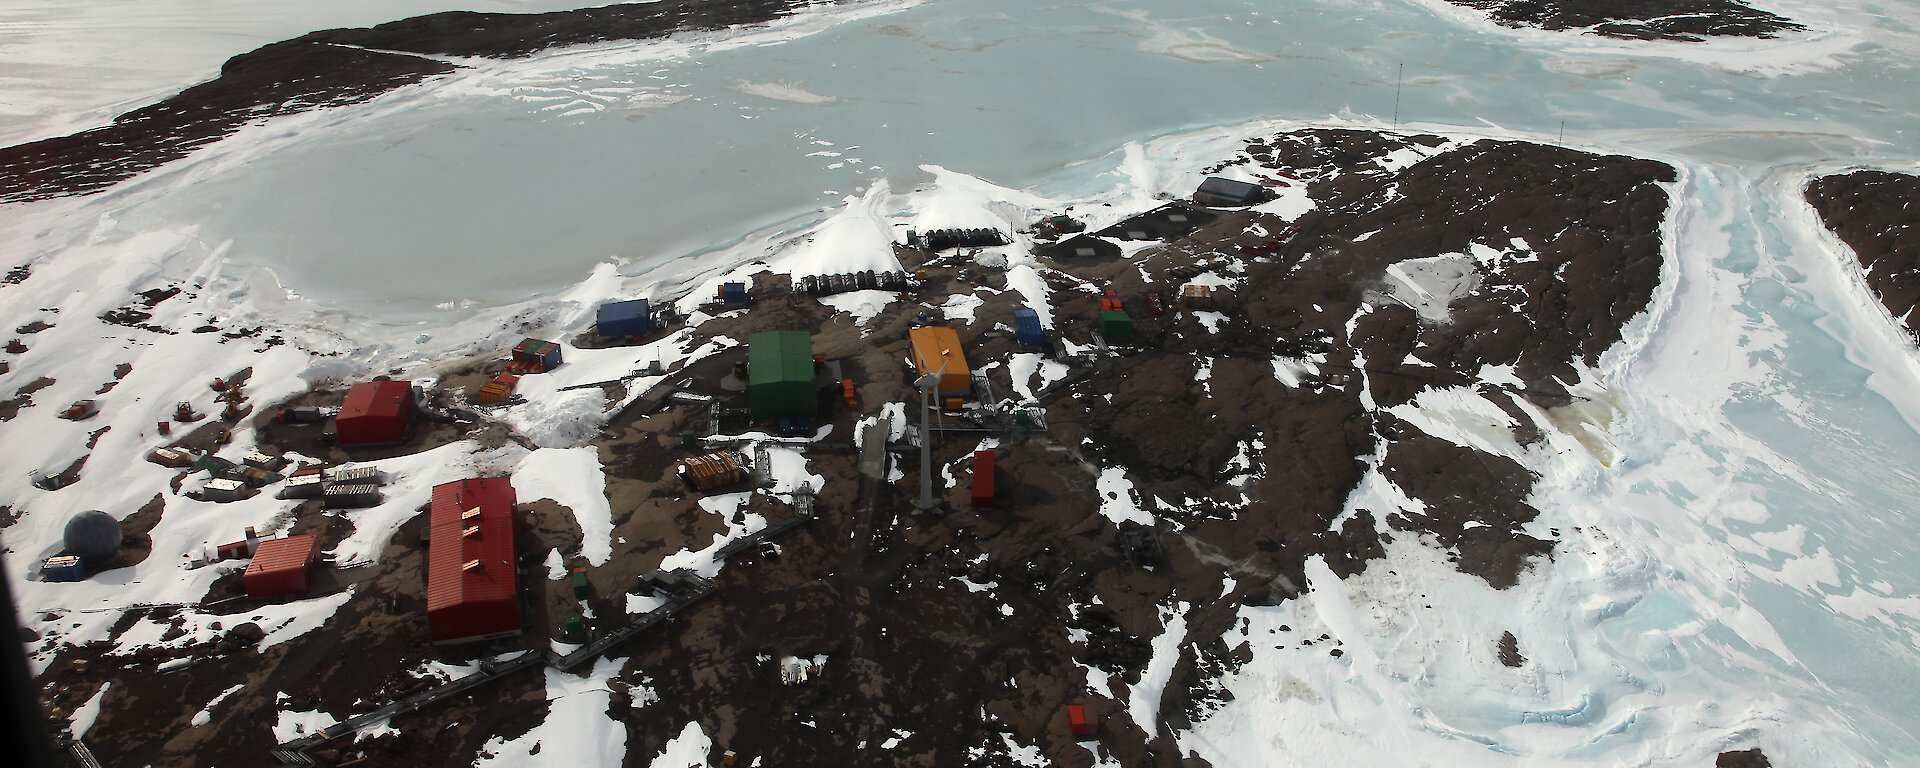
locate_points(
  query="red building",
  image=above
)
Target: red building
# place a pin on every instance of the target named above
(472, 593)
(376, 412)
(983, 479)
(282, 566)
(1078, 723)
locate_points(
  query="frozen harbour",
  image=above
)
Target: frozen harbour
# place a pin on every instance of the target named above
(1730, 567)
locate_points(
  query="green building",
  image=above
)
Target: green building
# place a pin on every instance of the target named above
(780, 375)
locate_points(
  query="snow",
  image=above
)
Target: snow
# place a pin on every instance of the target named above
(957, 200)
(687, 750)
(578, 729)
(1022, 367)
(290, 724)
(1291, 370)
(704, 560)
(573, 478)
(205, 715)
(1143, 699)
(788, 470)
(1117, 498)
(300, 617)
(862, 305)
(1430, 285)
(784, 91)
(1290, 202)
(1465, 417)
(1022, 278)
(857, 237)
(960, 306)
(84, 715)
(639, 604)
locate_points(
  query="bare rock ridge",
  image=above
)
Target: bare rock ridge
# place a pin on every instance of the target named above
(1590, 229)
(331, 68)
(1874, 213)
(1683, 20)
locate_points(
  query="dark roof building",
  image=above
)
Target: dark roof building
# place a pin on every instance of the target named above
(780, 380)
(1217, 191)
(1169, 222)
(283, 566)
(1080, 248)
(472, 591)
(376, 413)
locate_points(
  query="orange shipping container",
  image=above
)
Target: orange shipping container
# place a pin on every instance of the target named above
(937, 349)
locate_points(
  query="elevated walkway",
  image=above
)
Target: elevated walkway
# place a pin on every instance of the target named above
(681, 588)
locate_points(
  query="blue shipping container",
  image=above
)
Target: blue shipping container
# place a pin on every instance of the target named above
(63, 568)
(1026, 326)
(623, 318)
(733, 293)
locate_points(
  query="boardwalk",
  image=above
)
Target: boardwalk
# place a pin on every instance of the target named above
(682, 588)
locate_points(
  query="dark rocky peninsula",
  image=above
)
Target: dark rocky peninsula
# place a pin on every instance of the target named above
(1874, 213)
(332, 68)
(1683, 20)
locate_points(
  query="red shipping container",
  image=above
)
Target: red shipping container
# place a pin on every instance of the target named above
(283, 566)
(472, 593)
(376, 413)
(1077, 721)
(983, 479)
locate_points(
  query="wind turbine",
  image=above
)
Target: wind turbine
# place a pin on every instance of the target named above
(926, 384)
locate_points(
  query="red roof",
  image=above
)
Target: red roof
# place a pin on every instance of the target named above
(1077, 721)
(462, 601)
(375, 412)
(377, 398)
(282, 566)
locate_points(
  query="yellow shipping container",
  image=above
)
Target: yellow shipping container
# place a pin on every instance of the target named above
(937, 346)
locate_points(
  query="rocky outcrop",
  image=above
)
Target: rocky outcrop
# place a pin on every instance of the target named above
(332, 68)
(1684, 20)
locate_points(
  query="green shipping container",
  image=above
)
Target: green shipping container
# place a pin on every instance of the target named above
(1116, 326)
(575, 631)
(580, 584)
(780, 375)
